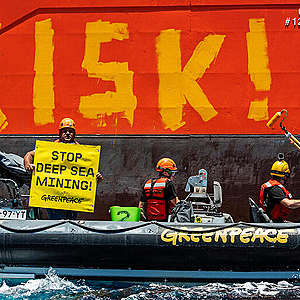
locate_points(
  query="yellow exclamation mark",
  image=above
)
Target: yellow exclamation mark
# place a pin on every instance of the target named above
(258, 68)
(3, 120)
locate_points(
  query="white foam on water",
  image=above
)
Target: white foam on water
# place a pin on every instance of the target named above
(248, 290)
(54, 287)
(51, 283)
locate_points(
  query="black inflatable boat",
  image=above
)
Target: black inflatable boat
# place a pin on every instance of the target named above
(148, 249)
(203, 244)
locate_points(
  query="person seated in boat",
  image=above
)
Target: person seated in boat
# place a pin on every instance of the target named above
(159, 195)
(67, 135)
(275, 199)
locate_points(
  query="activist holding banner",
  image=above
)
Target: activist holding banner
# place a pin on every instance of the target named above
(66, 136)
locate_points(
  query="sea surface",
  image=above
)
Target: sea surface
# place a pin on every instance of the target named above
(54, 287)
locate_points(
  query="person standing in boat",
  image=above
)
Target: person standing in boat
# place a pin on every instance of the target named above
(275, 199)
(159, 195)
(67, 135)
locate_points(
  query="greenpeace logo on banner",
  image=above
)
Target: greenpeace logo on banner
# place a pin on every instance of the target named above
(61, 199)
(64, 176)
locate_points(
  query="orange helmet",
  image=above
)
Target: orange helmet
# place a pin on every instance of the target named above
(66, 123)
(166, 164)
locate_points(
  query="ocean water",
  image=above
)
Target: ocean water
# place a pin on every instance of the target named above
(54, 287)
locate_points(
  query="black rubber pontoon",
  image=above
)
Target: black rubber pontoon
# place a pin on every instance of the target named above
(152, 246)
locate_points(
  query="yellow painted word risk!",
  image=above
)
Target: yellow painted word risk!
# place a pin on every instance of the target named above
(64, 176)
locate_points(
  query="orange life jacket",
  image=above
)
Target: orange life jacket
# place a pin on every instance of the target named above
(276, 211)
(157, 206)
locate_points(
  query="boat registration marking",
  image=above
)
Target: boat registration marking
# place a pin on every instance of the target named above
(12, 214)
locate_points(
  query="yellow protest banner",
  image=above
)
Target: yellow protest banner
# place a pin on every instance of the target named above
(64, 176)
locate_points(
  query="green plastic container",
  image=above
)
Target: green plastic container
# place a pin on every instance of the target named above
(121, 213)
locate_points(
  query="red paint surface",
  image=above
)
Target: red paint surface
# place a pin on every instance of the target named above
(226, 83)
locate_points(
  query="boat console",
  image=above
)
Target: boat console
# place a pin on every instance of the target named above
(205, 205)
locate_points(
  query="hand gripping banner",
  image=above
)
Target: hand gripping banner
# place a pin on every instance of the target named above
(64, 176)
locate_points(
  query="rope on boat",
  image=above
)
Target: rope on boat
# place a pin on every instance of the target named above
(145, 224)
(39, 229)
(231, 225)
(119, 230)
(33, 230)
